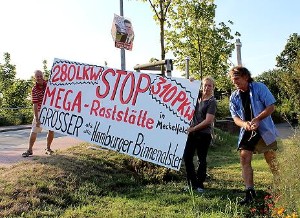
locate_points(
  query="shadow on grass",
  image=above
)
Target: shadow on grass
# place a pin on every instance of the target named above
(104, 171)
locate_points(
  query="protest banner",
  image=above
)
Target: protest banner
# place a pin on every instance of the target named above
(145, 116)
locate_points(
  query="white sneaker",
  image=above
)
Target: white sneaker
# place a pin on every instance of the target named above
(48, 151)
(199, 190)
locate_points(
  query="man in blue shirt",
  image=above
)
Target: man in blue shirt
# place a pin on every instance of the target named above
(251, 106)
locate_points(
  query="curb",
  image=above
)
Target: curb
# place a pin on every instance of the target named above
(13, 128)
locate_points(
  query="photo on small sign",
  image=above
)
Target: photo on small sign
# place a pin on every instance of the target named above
(122, 32)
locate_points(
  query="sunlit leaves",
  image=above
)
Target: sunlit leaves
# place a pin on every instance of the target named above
(289, 54)
(193, 32)
(15, 92)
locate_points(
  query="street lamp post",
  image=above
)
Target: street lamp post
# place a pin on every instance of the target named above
(238, 45)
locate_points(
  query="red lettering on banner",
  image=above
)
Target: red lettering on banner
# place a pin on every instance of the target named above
(139, 89)
(167, 94)
(131, 89)
(183, 110)
(75, 73)
(62, 98)
(105, 83)
(134, 117)
(179, 98)
(70, 106)
(119, 74)
(126, 89)
(162, 80)
(49, 94)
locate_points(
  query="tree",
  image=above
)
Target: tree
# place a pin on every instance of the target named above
(15, 92)
(7, 77)
(160, 8)
(272, 79)
(17, 96)
(288, 56)
(193, 32)
(284, 85)
(289, 64)
(46, 72)
(290, 86)
(7, 73)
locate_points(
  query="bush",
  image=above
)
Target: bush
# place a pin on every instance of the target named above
(223, 108)
(277, 116)
(9, 117)
(286, 113)
(281, 113)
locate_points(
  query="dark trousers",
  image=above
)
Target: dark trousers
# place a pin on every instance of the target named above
(199, 142)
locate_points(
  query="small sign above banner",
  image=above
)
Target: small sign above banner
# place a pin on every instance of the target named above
(122, 32)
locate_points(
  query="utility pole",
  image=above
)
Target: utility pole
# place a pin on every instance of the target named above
(238, 45)
(123, 64)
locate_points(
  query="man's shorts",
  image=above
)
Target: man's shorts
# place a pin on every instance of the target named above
(34, 128)
(261, 147)
(255, 143)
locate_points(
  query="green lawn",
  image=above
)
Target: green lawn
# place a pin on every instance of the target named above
(82, 182)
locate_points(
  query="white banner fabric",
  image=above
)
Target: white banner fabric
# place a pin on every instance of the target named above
(143, 115)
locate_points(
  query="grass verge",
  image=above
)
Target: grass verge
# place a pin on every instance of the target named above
(82, 182)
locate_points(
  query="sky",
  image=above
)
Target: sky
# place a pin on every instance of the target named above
(80, 30)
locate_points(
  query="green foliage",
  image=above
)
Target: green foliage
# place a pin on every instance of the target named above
(18, 94)
(160, 9)
(289, 63)
(192, 32)
(284, 82)
(15, 93)
(7, 76)
(290, 85)
(272, 80)
(223, 108)
(46, 72)
(289, 55)
(10, 117)
(277, 115)
(7, 73)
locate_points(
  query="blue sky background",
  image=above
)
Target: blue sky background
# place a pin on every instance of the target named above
(265, 27)
(79, 30)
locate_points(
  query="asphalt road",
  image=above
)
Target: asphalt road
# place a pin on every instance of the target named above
(14, 142)
(13, 139)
